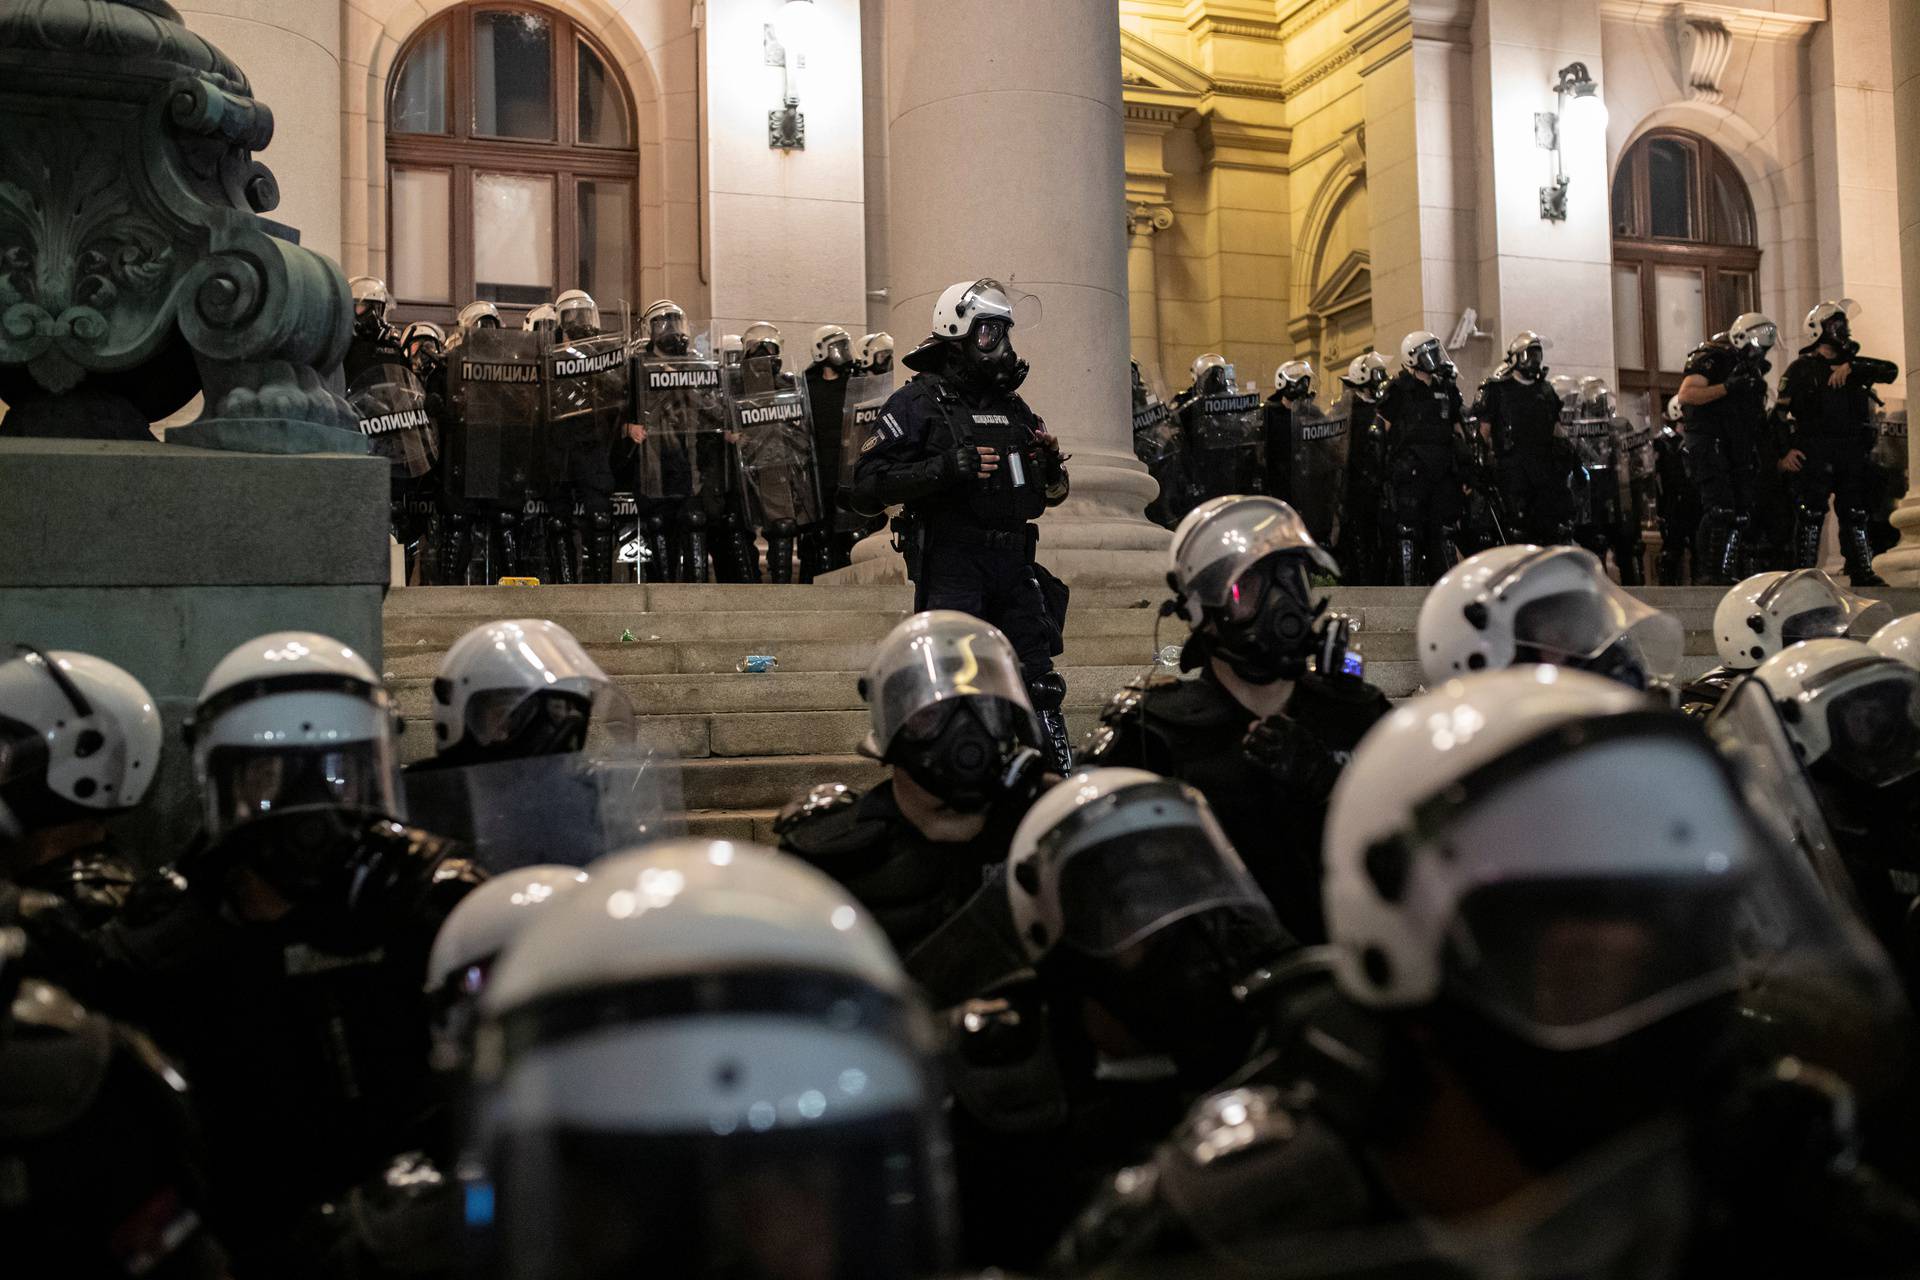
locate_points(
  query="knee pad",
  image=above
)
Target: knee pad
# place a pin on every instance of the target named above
(655, 524)
(694, 521)
(1047, 691)
(782, 529)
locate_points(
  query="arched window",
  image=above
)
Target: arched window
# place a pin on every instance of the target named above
(1685, 261)
(512, 167)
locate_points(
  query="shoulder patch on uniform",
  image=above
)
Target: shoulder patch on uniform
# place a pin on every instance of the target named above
(824, 798)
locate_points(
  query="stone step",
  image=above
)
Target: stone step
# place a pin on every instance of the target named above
(768, 782)
(481, 603)
(735, 627)
(734, 824)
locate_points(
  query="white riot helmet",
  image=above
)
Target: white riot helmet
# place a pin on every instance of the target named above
(1422, 351)
(1753, 332)
(471, 941)
(833, 345)
(712, 1046)
(423, 331)
(1899, 639)
(1213, 376)
(1676, 411)
(947, 704)
(664, 326)
(1596, 400)
(1832, 321)
(1242, 572)
(732, 348)
(1769, 611)
(1567, 389)
(79, 737)
(519, 687)
(1294, 378)
(542, 319)
(289, 723)
(760, 341)
(876, 354)
(479, 315)
(1514, 605)
(1366, 374)
(579, 313)
(1527, 354)
(1543, 847)
(1848, 709)
(370, 294)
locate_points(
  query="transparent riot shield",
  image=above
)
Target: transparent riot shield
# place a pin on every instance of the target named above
(1320, 445)
(496, 398)
(1595, 481)
(620, 789)
(588, 381)
(867, 395)
(684, 410)
(392, 405)
(773, 430)
(1226, 446)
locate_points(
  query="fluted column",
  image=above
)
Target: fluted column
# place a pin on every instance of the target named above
(1901, 565)
(1007, 159)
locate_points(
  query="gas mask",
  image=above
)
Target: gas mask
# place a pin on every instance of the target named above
(1837, 332)
(669, 336)
(967, 751)
(1428, 358)
(577, 324)
(1530, 364)
(1265, 630)
(369, 318)
(987, 357)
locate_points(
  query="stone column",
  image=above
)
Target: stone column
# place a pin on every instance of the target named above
(1143, 292)
(1007, 160)
(291, 52)
(1901, 566)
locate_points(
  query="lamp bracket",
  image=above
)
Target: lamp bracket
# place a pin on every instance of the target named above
(787, 128)
(1553, 200)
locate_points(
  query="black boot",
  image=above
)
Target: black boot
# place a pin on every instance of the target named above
(1857, 549)
(696, 547)
(559, 549)
(1048, 692)
(1711, 548)
(661, 566)
(512, 563)
(1407, 561)
(1807, 525)
(599, 549)
(1443, 550)
(456, 547)
(780, 535)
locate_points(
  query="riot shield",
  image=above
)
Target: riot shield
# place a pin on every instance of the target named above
(587, 385)
(1226, 445)
(773, 431)
(1319, 442)
(392, 405)
(497, 404)
(867, 395)
(684, 411)
(1595, 480)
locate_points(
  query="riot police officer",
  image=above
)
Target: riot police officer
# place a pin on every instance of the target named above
(1421, 414)
(386, 392)
(876, 355)
(283, 958)
(1678, 502)
(79, 743)
(581, 430)
(1508, 606)
(951, 715)
(1724, 397)
(1361, 545)
(1520, 407)
(974, 467)
(1765, 614)
(1601, 481)
(773, 438)
(1828, 390)
(1264, 728)
(689, 504)
(748, 1087)
(1222, 430)
(491, 382)
(1507, 937)
(1292, 385)
(824, 546)
(1157, 443)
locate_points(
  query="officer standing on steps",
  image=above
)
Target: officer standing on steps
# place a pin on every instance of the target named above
(1521, 408)
(1421, 414)
(975, 467)
(1678, 505)
(1360, 532)
(821, 547)
(1829, 392)
(950, 715)
(1264, 729)
(1724, 397)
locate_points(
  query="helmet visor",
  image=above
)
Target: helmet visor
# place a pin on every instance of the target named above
(956, 657)
(1116, 894)
(1579, 627)
(1810, 605)
(1217, 554)
(667, 325)
(245, 783)
(1872, 719)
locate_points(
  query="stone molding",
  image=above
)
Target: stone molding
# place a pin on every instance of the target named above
(1752, 24)
(1146, 217)
(1705, 47)
(1304, 15)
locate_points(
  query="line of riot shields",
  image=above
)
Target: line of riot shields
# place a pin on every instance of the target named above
(517, 456)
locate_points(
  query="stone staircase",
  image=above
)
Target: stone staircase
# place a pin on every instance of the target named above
(747, 743)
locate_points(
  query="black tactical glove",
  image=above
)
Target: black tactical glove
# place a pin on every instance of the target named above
(1295, 755)
(1745, 377)
(962, 462)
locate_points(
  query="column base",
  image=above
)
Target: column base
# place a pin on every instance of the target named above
(1098, 536)
(1900, 565)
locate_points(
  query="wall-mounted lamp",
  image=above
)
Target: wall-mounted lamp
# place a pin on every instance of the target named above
(793, 28)
(1578, 114)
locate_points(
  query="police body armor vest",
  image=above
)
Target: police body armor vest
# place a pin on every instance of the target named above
(1527, 415)
(1017, 492)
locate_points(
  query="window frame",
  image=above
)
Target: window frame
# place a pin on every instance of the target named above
(464, 152)
(1703, 250)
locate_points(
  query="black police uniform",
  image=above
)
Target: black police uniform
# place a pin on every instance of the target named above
(1269, 794)
(579, 464)
(1679, 504)
(1833, 427)
(971, 541)
(1361, 550)
(1424, 473)
(407, 496)
(911, 885)
(1277, 425)
(1723, 447)
(94, 883)
(1531, 463)
(307, 1043)
(823, 546)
